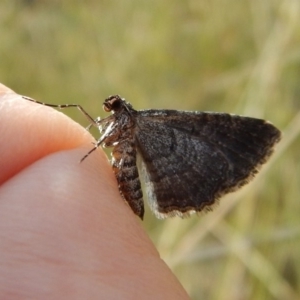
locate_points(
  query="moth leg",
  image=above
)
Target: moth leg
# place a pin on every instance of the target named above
(96, 146)
(94, 122)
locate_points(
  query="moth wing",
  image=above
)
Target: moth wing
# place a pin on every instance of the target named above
(190, 160)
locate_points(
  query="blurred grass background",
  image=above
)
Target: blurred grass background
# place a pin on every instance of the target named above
(235, 56)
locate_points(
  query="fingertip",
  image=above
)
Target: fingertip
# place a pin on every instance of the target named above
(4, 89)
(72, 211)
(30, 131)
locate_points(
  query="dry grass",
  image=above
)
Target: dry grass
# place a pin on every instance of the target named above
(236, 56)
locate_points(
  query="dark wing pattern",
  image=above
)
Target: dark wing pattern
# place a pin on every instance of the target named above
(190, 159)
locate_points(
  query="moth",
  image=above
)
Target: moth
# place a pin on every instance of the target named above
(188, 160)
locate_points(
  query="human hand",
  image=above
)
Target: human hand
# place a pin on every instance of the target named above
(66, 233)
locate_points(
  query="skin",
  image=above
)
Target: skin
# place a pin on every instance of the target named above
(66, 233)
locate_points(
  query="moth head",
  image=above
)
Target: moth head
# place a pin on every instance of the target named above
(116, 104)
(113, 103)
